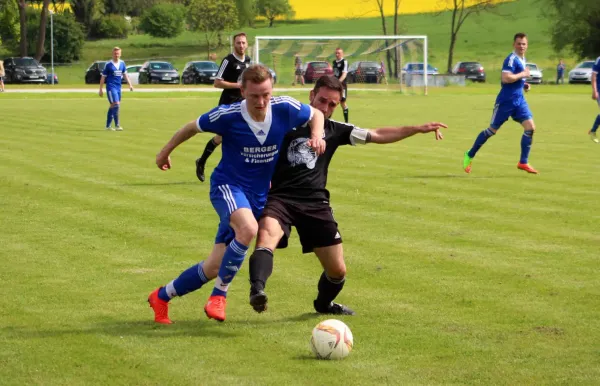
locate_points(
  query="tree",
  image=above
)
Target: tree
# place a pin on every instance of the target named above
(39, 49)
(212, 17)
(271, 9)
(163, 20)
(9, 22)
(576, 26)
(461, 10)
(246, 12)
(392, 69)
(84, 11)
(23, 27)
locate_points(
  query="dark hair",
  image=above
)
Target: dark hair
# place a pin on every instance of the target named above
(519, 35)
(256, 73)
(330, 82)
(238, 35)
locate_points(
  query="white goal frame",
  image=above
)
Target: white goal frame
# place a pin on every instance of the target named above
(258, 39)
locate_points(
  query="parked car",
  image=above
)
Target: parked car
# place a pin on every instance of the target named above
(314, 70)
(417, 69)
(49, 78)
(158, 72)
(535, 74)
(471, 70)
(94, 72)
(582, 73)
(24, 70)
(199, 72)
(133, 73)
(365, 72)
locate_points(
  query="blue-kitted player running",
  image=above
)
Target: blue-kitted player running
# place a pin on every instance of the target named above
(595, 89)
(510, 103)
(252, 131)
(112, 75)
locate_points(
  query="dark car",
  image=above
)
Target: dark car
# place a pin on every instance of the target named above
(158, 72)
(471, 70)
(365, 72)
(199, 72)
(94, 72)
(24, 70)
(314, 70)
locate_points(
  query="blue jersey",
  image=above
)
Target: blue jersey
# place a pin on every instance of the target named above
(512, 92)
(250, 149)
(114, 74)
(596, 70)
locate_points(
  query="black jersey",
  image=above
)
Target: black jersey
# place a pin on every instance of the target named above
(300, 175)
(231, 71)
(339, 67)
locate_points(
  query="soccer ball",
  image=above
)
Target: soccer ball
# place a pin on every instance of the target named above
(331, 339)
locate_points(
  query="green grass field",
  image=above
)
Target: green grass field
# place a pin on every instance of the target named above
(488, 278)
(486, 38)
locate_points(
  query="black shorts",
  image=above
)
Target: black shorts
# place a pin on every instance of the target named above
(344, 93)
(298, 71)
(314, 223)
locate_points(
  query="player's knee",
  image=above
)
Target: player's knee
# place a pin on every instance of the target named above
(246, 233)
(337, 271)
(530, 132)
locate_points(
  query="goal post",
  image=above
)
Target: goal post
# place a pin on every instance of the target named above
(403, 59)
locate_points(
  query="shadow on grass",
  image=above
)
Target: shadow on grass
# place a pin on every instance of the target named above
(122, 328)
(162, 183)
(455, 176)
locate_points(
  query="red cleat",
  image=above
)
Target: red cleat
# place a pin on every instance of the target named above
(215, 308)
(160, 307)
(528, 168)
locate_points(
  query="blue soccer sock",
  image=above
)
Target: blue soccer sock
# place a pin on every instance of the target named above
(109, 116)
(526, 141)
(596, 124)
(189, 281)
(116, 109)
(231, 264)
(480, 140)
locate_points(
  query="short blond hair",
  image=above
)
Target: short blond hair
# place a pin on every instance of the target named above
(116, 49)
(256, 73)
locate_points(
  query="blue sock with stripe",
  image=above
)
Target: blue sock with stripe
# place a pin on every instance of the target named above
(480, 140)
(526, 141)
(230, 266)
(189, 281)
(116, 114)
(109, 116)
(596, 124)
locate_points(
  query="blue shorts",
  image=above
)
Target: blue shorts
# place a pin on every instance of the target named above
(503, 111)
(228, 198)
(113, 96)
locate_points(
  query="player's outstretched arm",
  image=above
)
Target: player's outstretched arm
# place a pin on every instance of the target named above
(101, 85)
(163, 161)
(128, 81)
(509, 77)
(595, 86)
(220, 83)
(317, 131)
(394, 134)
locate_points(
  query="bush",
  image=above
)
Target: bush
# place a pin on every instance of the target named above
(163, 20)
(110, 26)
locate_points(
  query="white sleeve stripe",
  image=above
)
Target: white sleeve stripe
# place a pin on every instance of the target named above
(285, 99)
(222, 69)
(509, 71)
(198, 125)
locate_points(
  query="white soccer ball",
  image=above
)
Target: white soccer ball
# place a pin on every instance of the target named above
(331, 339)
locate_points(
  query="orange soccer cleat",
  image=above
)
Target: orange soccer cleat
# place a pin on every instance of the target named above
(160, 307)
(215, 308)
(528, 168)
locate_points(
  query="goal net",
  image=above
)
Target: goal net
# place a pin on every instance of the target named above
(393, 61)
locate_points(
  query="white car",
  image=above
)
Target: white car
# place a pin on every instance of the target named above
(535, 74)
(133, 72)
(582, 73)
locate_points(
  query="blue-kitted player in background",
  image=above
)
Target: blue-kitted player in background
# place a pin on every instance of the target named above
(252, 131)
(112, 75)
(595, 88)
(510, 103)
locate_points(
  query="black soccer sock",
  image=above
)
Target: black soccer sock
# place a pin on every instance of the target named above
(261, 267)
(329, 289)
(208, 150)
(346, 115)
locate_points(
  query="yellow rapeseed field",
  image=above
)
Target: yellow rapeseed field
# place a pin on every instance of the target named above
(332, 9)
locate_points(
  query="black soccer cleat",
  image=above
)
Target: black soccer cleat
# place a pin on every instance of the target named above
(258, 300)
(334, 309)
(200, 169)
